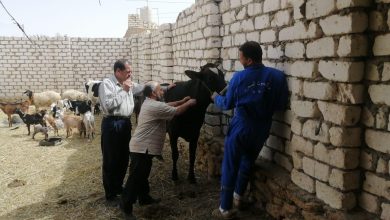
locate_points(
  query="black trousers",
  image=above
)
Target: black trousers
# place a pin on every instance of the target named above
(137, 185)
(115, 138)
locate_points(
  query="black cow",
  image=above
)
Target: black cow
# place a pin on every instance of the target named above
(201, 86)
(92, 88)
(138, 100)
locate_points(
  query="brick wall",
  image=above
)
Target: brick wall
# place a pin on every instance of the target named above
(375, 151)
(57, 63)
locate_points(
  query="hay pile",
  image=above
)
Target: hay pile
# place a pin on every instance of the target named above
(64, 182)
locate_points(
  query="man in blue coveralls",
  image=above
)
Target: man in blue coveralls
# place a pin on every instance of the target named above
(255, 94)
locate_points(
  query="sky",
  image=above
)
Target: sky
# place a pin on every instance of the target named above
(81, 18)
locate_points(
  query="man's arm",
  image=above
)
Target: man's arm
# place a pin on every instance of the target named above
(109, 99)
(137, 88)
(183, 107)
(177, 103)
(225, 102)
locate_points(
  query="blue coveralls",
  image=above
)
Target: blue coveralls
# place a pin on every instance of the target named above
(255, 93)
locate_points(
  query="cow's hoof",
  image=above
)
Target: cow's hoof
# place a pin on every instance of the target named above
(191, 179)
(174, 176)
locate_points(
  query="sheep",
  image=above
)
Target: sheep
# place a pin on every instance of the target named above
(89, 123)
(74, 95)
(32, 119)
(42, 99)
(40, 129)
(10, 108)
(73, 121)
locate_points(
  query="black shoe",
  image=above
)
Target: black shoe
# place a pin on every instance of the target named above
(127, 210)
(148, 201)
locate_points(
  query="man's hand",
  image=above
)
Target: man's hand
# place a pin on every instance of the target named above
(170, 86)
(127, 85)
(192, 102)
(186, 98)
(213, 96)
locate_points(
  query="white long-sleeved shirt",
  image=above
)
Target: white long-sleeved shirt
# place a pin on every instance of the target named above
(115, 101)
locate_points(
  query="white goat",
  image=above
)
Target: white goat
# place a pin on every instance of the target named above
(89, 123)
(40, 129)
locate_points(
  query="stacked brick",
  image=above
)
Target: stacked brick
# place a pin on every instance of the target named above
(196, 37)
(375, 155)
(57, 63)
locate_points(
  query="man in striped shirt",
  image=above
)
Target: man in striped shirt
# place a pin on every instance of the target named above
(147, 142)
(117, 104)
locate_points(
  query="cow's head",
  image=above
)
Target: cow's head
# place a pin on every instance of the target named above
(211, 75)
(95, 89)
(86, 87)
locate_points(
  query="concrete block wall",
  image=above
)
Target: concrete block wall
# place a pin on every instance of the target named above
(59, 63)
(375, 152)
(333, 141)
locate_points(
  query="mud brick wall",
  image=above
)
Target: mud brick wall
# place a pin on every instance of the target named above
(333, 140)
(375, 151)
(57, 63)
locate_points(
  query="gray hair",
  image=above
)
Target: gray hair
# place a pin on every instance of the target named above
(152, 84)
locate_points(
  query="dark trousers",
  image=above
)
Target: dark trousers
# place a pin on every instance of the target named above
(137, 185)
(115, 138)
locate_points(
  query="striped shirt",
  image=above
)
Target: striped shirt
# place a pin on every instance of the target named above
(115, 101)
(151, 129)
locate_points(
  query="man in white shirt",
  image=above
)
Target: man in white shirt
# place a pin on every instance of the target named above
(117, 104)
(147, 142)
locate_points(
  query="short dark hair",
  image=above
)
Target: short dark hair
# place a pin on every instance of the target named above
(148, 91)
(120, 64)
(252, 49)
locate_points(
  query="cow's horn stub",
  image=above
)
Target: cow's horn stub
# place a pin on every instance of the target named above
(214, 70)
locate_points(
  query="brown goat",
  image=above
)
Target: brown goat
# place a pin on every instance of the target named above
(73, 121)
(9, 108)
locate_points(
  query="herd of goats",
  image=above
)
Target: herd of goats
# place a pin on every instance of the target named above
(53, 111)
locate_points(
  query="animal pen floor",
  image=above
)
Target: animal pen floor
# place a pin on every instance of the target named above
(64, 182)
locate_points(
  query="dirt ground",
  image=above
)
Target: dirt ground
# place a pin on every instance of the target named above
(64, 182)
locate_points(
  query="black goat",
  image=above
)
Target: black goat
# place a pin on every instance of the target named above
(32, 119)
(80, 107)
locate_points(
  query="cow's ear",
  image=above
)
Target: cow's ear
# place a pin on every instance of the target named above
(193, 74)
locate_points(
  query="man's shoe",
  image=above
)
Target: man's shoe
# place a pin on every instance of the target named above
(127, 210)
(148, 201)
(229, 214)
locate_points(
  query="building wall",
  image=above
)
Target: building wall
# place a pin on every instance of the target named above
(57, 63)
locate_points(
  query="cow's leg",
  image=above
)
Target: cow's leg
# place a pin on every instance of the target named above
(191, 173)
(28, 128)
(175, 157)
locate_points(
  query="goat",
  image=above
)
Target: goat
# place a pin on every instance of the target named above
(40, 129)
(89, 123)
(32, 119)
(10, 108)
(73, 121)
